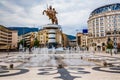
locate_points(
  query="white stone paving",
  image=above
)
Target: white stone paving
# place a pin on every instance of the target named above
(33, 72)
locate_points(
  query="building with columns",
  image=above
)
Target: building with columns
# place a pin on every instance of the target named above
(50, 35)
(104, 24)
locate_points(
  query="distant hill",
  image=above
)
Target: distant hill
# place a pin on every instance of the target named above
(71, 37)
(23, 30)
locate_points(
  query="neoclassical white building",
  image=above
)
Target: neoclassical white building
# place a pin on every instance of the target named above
(104, 23)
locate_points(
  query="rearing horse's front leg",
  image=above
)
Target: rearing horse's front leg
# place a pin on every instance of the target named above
(44, 11)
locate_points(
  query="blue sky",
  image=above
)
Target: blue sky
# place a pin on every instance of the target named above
(72, 14)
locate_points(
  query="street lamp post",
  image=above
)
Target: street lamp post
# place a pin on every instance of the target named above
(77, 37)
(23, 39)
(115, 39)
(7, 41)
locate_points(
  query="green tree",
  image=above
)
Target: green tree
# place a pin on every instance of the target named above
(23, 43)
(36, 43)
(110, 45)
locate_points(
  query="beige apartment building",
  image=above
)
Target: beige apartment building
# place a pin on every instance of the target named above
(82, 40)
(104, 23)
(49, 35)
(65, 40)
(72, 43)
(8, 38)
(29, 38)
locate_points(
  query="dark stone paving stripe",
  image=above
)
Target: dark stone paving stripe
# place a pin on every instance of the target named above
(81, 72)
(99, 69)
(21, 71)
(46, 73)
(47, 69)
(73, 68)
(4, 71)
(115, 68)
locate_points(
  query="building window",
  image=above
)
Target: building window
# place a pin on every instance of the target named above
(108, 33)
(98, 41)
(102, 34)
(51, 37)
(97, 22)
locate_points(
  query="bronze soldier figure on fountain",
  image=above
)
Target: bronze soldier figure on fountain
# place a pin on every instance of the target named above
(51, 13)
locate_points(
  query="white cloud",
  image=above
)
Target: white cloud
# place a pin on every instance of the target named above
(72, 14)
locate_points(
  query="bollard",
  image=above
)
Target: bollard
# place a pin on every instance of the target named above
(11, 66)
(81, 57)
(105, 64)
(60, 66)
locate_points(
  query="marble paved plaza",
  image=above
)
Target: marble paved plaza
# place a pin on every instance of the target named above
(66, 73)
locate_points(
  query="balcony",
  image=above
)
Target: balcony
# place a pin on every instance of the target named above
(3, 39)
(52, 31)
(3, 42)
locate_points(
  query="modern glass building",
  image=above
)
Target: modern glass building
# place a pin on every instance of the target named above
(104, 24)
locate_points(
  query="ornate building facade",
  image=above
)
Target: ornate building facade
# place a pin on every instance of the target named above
(50, 35)
(104, 24)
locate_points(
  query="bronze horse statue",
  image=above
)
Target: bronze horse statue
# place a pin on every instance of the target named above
(51, 13)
